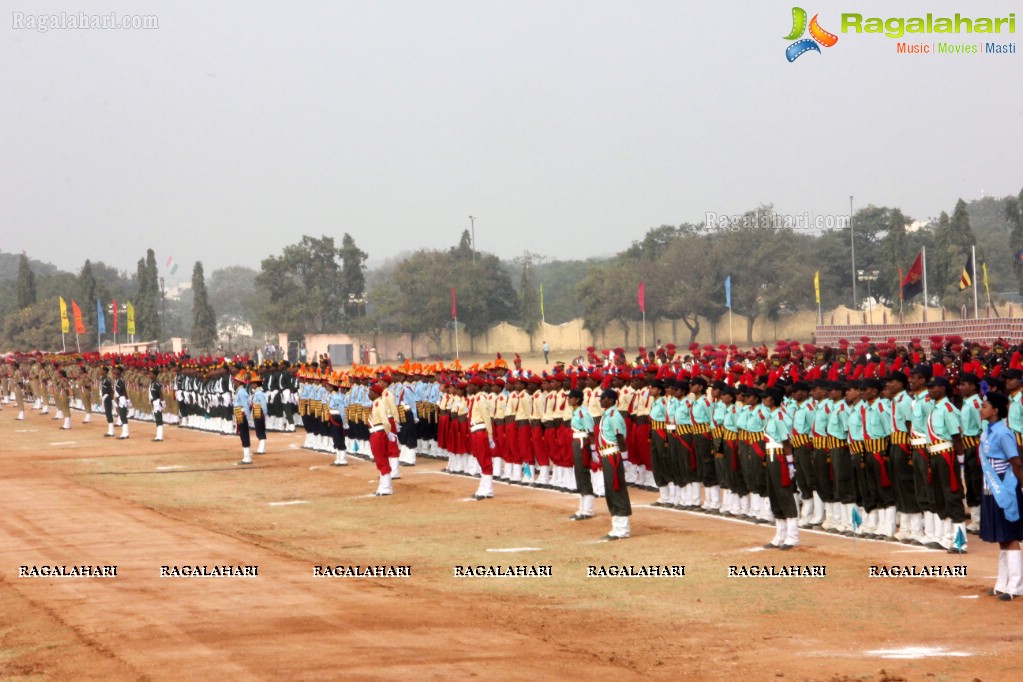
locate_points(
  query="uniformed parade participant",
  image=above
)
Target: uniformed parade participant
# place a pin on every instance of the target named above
(337, 410)
(481, 435)
(945, 447)
(659, 457)
(156, 403)
(121, 400)
(703, 444)
(841, 460)
(1002, 500)
(259, 411)
(878, 424)
(973, 474)
(801, 441)
(382, 432)
(611, 435)
(242, 410)
(584, 454)
(926, 532)
(781, 489)
(62, 392)
(901, 456)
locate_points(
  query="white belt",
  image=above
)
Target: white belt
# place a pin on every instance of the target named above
(580, 434)
(774, 445)
(609, 450)
(477, 427)
(916, 439)
(940, 447)
(375, 429)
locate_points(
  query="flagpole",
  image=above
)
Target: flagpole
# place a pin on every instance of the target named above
(62, 342)
(456, 338)
(973, 255)
(900, 294)
(729, 326)
(77, 342)
(643, 334)
(923, 265)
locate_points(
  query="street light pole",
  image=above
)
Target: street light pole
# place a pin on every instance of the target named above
(163, 306)
(472, 224)
(852, 247)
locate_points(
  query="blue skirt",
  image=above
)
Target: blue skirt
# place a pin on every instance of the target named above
(993, 526)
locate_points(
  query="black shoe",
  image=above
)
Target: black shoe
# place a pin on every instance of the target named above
(244, 463)
(771, 546)
(933, 545)
(381, 494)
(787, 547)
(579, 517)
(108, 435)
(482, 497)
(994, 593)
(953, 550)
(122, 438)
(1005, 596)
(610, 538)
(158, 440)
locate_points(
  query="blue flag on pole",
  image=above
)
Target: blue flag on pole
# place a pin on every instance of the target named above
(728, 292)
(856, 519)
(101, 323)
(960, 541)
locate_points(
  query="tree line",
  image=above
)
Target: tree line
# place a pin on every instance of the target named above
(317, 285)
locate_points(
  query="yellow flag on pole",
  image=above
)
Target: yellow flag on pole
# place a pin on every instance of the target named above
(983, 267)
(817, 285)
(65, 326)
(131, 319)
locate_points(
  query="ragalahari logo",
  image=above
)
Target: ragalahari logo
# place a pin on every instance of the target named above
(818, 36)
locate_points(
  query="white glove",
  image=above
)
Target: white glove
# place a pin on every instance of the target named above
(157, 405)
(286, 393)
(961, 459)
(493, 445)
(122, 401)
(225, 399)
(792, 472)
(625, 455)
(178, 396)
(391, 436)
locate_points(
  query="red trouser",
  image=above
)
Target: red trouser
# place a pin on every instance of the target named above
(525, 436)
(510, 445)
(480, 447)
(539, 447)
(379, 446)
(500, 441)
(639, 453)
(550, 441)
(443, 440)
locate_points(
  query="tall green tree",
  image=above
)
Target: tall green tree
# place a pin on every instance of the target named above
(204, 319)
(26, 284)
(529, 295)
(87, 294)
(305, 288)
(353, 277)
(896, 254)
(1014, 218)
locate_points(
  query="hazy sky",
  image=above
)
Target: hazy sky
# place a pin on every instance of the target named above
(567, 128)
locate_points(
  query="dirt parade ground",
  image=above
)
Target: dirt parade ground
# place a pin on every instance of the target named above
(432, 607)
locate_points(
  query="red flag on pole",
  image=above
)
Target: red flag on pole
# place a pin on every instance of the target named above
(642, 297)
(115, 315)
(454, 307)
(76, 312)
(912, 283)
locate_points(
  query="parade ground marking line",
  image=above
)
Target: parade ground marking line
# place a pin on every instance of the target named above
(172, 466)
(66, 442)
(516, 549)
(286, 503)
(969, 596)
(914, 652)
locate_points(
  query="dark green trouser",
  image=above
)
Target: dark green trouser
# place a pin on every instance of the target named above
(948, 503)
(659, 459)
(617, 500)
(782, 497)
(581, 464)
(921, 484)
(805, 477)
(845, 486)
(675, 451)
(902, 478)
(823, 476)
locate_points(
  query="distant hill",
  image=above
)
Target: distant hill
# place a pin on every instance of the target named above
(9, 266)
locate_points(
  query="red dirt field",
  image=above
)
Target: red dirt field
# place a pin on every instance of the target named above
(76, 498)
